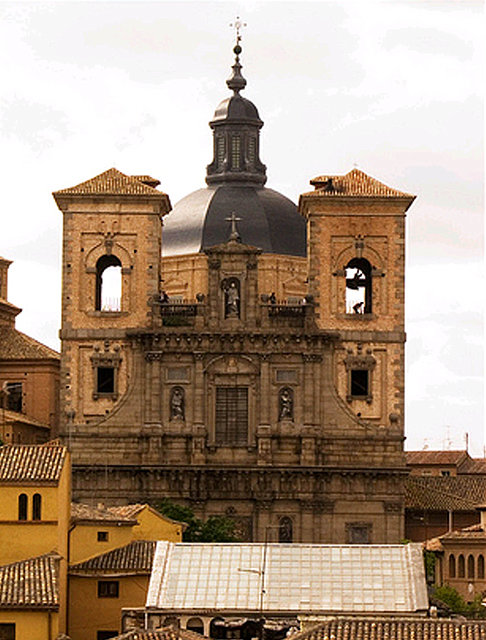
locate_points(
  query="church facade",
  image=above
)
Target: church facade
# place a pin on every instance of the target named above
(252, 363)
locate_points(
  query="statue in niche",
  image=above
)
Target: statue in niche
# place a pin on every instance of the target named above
(286, 405)
(177, 404)
(232, 298)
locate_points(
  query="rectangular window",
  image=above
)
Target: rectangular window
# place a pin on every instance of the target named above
(358, 533)
(177, 374)
(102, 536)
(220, 145)
(7, 631)
(444, 473)
(232, 415)
(14, 396)
(235, 152)
(286, 375)
(251, 150)
(106, 635)
(359, 382)
(108, 588)
(105, 380)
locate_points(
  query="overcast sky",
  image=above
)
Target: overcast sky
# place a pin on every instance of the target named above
(394, 87)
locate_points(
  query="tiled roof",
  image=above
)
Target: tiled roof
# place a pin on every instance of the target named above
(354, 183)
(111, 182)
(135, 557)
(16, 417)
(474, 532)
(435, 457)
(86, 513)
(31, 463)
(15, 345)
(166, 633)
(152, 182)
(452, 493)
(31, 583)
(132, 511)
(299, 578)
(393, 628)
(474, 465)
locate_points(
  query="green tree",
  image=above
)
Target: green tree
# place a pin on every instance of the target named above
(453, 599)
(215, 529)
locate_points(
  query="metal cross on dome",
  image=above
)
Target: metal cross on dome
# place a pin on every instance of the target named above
(234, 231)
(237, 25)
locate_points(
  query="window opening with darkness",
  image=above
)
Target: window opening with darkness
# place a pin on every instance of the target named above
(7, 630)
(251, 150)
(231, 415)
(220, 151)
(37, 507)
(481, 566)
(23, 506)
(461, 567)
(108, 588)
(102, 536)
(358, 534)
(358, 286)
(235, 152)
(13, 393)
(106, 635)
(360, 382)
(108, 284)
(196, 625)
(452, 566)
(105, 380)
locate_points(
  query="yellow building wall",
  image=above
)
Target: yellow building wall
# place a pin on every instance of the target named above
(84, 542)
(89, 614)
(153, 526)
(32, 625)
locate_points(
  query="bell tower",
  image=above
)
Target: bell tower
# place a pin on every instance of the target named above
(356, 234)
(112, 228)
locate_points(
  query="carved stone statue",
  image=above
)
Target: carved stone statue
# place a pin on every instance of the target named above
(232, 300)
(286, 408)
(177, 404)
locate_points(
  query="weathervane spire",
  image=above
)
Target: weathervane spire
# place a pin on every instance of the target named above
(237, 82)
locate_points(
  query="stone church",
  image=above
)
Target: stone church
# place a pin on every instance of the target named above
(251, 360)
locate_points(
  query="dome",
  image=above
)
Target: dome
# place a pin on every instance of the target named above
(236, 108)
(267, 220)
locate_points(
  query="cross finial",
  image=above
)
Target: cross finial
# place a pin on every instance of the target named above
(234, 231)
(237, 25)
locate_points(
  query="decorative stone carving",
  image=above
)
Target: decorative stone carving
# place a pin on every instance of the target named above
(177, 403)
(286, 404)
(231, 288)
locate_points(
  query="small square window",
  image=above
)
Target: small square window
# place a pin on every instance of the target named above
(445, 473)
(7, 631)
(358, 533)
(105, 380)
(108, 588)
(102, 536)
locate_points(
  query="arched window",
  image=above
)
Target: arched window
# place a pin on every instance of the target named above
(108, 284)
(195, 624)
(470, 566)
(36, 506)
(461, 568)
(452, 566)
(481, 566)
(285, 529)
(358, 286)
(22, 506)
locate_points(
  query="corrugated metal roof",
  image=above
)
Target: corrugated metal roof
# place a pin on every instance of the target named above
(32, 583)
(137, 556)
(394, 628)
(298, 578)
(31, 463)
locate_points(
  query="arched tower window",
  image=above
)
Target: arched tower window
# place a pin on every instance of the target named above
(22, 506)
(36, 506)
(452, 566)
(481, 566)
(461, 568)
(108, 284)
(470, 566)
(358, 286)
(285, 530)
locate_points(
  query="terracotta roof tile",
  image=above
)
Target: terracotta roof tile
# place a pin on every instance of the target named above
(474, 465)
(86, 513)
(354, 183)
(132, 511)
(30, 583)
(435, 457)
(452, 493)
(15, 417)
(474, 532)
(31, 463)
(135, 557)
(166, 633)
(111, 182)
(151, 182)
(15, 345)
(385, 629)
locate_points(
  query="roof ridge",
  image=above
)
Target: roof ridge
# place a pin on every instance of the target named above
(111, 182)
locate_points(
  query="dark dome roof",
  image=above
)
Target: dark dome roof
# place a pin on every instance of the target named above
(236, 108)
(269, 221)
